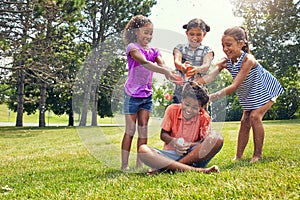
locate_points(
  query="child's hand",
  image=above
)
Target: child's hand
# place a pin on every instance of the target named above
(181, 148)
(189, 69)
(221, 64)
(184, 66)
(174, 77)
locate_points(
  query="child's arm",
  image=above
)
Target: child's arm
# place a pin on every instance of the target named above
(140, 58)
(174, 142)
(206, 63)
(178, 61)
(219, 66)
(248, 63)
(166, 137)
(167, 71)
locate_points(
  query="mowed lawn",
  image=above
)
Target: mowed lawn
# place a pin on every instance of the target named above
(83, 163)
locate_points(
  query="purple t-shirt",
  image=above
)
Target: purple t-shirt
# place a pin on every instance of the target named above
(139, 81)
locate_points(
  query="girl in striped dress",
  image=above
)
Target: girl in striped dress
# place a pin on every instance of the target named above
(256, 88)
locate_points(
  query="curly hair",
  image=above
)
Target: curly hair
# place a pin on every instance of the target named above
(135, 23)
(195, 91)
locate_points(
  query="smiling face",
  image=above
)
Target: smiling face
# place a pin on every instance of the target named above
(195, 36)
(190, 107)
(231, 47)
(144, 34)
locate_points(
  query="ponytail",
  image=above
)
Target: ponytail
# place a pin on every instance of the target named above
(246, 41)
(239, 33)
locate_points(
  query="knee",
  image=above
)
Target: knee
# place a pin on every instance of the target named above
(245, 122)
(220, 141)
(143, 131)
(254, 118)
(130, 130)
(217, 138)
(143, 149)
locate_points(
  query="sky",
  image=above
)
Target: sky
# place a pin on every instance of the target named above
(168, 16)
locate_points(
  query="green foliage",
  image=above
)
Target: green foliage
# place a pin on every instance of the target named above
(161, 97)
(109, 82)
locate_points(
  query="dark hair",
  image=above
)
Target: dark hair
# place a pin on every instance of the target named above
(239, 33)
(136, 22)
(195, 91)
(197, 23)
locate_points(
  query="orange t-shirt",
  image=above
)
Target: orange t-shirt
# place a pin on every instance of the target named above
(192, 130)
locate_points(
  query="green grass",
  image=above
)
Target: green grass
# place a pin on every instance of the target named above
(50, 118)
(65, 163)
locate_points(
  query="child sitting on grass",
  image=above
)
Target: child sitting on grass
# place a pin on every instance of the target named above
(189, 142)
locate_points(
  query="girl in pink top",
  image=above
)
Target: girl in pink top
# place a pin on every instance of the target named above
(142, 62)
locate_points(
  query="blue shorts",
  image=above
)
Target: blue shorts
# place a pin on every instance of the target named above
(132, 104)
(174, 156)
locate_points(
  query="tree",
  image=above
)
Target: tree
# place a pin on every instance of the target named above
(274, 37)
(60, 93)
(32, 29)
(14, 34)
(104, 19)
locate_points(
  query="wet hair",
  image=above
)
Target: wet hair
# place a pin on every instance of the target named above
(239, 33)
(197, 23)
(195, 91)
(136, 22)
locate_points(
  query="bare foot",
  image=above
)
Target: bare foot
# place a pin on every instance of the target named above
(255, 159)
(212, 169)
(152, 172)
(124, 169)
(237, 158)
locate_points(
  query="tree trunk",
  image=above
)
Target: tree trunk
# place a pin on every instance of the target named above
(42, 107)
(20, 93)
(95, 105)
(86, 99)
(71, 118)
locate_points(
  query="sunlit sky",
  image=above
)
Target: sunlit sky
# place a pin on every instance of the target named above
(168, 16)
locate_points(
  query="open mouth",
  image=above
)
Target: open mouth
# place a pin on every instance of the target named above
(194, 43)
(187, 114)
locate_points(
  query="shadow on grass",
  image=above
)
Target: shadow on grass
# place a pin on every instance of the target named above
(32, 128)
(24, 132)
(246, 163)
(20, 135)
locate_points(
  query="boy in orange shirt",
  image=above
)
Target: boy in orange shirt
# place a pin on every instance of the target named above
(189, 142)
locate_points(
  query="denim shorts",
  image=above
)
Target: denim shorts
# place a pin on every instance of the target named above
(174, 156)
(132, 104)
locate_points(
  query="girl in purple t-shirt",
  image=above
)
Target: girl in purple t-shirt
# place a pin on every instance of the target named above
(142, 62)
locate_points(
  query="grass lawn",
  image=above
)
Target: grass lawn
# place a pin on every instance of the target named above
(51, 119)
(66, 163)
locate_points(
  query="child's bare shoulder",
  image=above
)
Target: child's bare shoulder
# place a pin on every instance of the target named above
(250, 60)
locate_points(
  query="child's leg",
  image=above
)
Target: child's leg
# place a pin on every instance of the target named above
(243, 136)
(130, 120)
(204, 151)
(143, 118)
(258, 129)
(157, 161)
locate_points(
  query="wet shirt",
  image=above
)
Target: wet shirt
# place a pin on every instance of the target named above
(139, 81)
(193, 56)
(259, 87)
(192, 130)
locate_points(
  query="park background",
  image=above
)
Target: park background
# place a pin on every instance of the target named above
(67, 57)
(60, 67)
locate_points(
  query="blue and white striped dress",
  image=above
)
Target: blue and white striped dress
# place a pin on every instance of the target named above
(259, 87)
